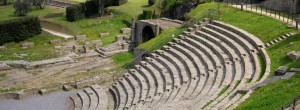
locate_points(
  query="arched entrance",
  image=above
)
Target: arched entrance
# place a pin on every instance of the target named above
(147, 33)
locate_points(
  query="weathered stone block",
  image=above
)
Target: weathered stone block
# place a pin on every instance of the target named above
(281, 70)
(295, 70)
(126, 30)
(293, 55)
(43, 91)
(4, 66)
(66, 87)
(125, 46)
(27, 45)
(96, 43)
(56, 41)
(2, 48)
(103, 34)
(120, 38)
(80, 37)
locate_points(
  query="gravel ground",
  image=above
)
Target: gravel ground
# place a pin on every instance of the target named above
(53, 101)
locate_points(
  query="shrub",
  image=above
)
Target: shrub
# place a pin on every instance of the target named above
(91, 7)
(75, 12)
(148, 14)
(114, 2)
(19, 29)
(22, 7)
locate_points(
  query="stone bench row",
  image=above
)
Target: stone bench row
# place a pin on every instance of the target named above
(197, 65)
(93, 98)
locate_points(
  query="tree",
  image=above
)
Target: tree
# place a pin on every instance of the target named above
(102, 7)
(4, 2)
(22, 7)
(38, 3)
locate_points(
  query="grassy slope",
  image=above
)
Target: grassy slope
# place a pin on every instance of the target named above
(279, 51)
(132, 7)
(273, 95)
(123, 58)
(41, 50)
(161, 40)
(263, 27)
(92, 27)
(7, 12)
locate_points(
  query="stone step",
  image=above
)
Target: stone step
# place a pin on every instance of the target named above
(102, 97)
(144, 86)
(149, 80)
(249, 37)
(128, 90)
(92, 97)
(77, 102)
(84, 99)
(136, 86)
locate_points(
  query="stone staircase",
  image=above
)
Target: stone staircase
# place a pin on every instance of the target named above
(210, 66)
(93, 98)
(121, 44)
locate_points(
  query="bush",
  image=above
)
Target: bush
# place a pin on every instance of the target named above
(91, 7)
(22, 7)
(148, 14)
(114, 2)
(19, 29)
(75, 12)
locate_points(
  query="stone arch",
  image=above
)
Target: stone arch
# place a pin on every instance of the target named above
(147, 34)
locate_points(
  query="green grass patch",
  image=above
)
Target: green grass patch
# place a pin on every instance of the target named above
(7, 12)
(208, 103)
(2, 77)
(132, 7)
(223, 90)
(278, 53)
(41, 50)
(161, 40)
(201, 8)
(273, 95)
(263, 66)
(264, 27)
(2, 90)
(123, 58)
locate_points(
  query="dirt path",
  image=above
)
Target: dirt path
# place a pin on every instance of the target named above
(59, 34)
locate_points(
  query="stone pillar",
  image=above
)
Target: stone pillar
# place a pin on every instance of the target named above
(156, 29)
(125, 46)
(297, 22)
(133, 30)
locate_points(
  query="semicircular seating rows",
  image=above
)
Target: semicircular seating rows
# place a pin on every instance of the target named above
(210, 66)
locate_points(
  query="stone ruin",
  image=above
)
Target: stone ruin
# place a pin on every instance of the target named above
(293, 55)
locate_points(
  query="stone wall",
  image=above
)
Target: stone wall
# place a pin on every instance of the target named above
(82, 83)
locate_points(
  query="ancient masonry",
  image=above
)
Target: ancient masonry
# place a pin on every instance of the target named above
(131, 37)
(188, 73)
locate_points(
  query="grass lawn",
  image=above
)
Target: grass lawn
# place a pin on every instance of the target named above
(132, 7)
(41, 50)
(273, 95)
(265, 28)
(279, 51)
(7, 12)
(161, 40)
(123, 58)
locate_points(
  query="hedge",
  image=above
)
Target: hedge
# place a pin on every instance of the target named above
(114, 2)
(19, 29)
(75, 12)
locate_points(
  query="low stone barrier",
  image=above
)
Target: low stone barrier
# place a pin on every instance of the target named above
(100, 79)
